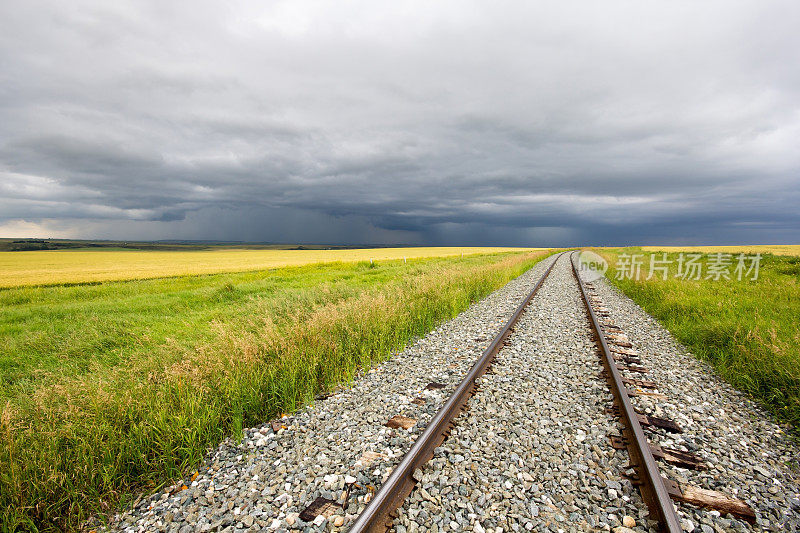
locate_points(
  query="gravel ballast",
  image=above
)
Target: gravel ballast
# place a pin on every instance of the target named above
(265, 481)
(531, 452)
(749, 455)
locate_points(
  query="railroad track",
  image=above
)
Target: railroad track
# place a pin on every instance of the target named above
(623, 370)
(378, 514)
(618, 358)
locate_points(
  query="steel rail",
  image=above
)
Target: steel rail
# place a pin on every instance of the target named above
(377, 516)
(650, 482)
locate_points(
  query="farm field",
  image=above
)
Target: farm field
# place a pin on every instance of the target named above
(774, 249)
(88, 265)
(746, 329)
(116, 387)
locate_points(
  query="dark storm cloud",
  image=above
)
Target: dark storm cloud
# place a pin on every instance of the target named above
(612, 122)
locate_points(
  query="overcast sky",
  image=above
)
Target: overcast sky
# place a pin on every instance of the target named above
(513, 123)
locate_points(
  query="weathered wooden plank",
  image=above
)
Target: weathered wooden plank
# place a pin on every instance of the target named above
(709, 499)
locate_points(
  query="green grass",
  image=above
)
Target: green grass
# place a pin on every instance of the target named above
(118, 387)
(748, 330)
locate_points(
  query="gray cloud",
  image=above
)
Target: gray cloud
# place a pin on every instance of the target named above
(459, 122)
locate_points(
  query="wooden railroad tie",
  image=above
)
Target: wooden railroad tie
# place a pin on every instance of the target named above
(709, 499)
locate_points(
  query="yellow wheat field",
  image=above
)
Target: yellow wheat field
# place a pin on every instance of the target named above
(777, 249)
(49, 267)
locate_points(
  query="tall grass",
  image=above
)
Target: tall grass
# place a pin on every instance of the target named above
(81, 446)
(747, 330)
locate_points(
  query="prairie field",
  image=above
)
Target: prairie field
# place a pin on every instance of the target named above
(774, 249)
(112, 388)
(88, 265)
(746, 329)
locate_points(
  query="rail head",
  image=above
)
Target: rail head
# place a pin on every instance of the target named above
(376, 517)
(651, 485)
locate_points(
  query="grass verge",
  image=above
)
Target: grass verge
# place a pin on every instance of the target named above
(121, 386)
(746, 329)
